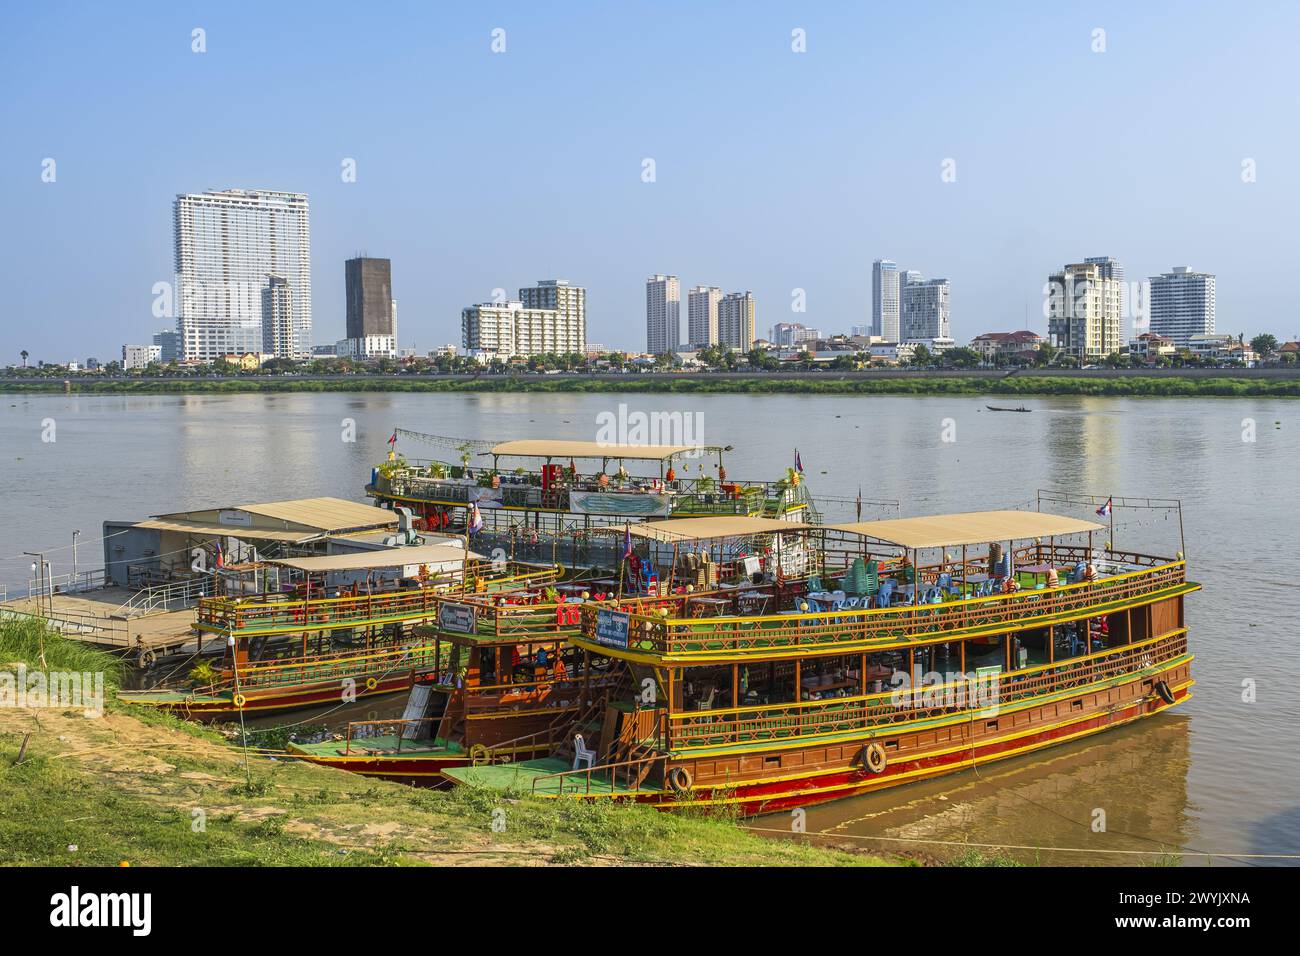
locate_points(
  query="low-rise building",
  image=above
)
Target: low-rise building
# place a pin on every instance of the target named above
(1004, 345)
(1149, 347)
(139, 356)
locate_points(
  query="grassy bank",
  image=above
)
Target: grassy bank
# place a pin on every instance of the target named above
(134, 785)
(820, 384)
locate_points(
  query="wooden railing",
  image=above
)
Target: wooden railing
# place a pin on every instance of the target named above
(603, 776)
(282, 612)
(966, 695)
(754, 636)
(301, 670)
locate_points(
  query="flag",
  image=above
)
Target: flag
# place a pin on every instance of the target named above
(859, 503)
(475, 518)
(221, 561)
(798, 462)
(627, 541)
(393, 440)
(1104, 510)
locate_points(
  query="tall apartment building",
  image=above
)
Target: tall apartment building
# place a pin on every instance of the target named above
(570, 301)
(924, 311)
(885, 302)
(702, 315)
(1083, 311)
(663, 314)
(229, 245)
(1182, 305)
(277, 319)
(511, 330)
(737, 314)
(368, 290)
(1111, 269)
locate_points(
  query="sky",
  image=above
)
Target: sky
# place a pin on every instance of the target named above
(774, 170)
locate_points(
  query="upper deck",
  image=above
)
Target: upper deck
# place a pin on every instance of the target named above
(1121, 580)
(286, 613)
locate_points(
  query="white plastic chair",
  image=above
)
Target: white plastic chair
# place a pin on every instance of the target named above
(582, 752)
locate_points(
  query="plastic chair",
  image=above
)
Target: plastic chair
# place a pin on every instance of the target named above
(581, 752)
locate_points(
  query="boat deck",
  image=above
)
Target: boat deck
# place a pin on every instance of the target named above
(386, 745)
(536, 777)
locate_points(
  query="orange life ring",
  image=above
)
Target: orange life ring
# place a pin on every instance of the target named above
(873, 757)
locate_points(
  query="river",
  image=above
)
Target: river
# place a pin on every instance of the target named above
(1220, 775)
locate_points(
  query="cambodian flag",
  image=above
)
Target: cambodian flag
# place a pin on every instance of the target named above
(798, 462)
(1104, 510)
(393, 440)
(475, 519)
(627, 541)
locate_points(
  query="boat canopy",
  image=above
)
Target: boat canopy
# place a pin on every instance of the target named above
(972, 527)
(561, 448)
(703, 529)
(430, 554)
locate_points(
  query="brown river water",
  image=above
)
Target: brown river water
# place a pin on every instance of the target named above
(1217, 780)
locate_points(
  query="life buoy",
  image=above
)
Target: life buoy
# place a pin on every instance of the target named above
(240, 701)
(371, 683)
(873, 758)
(147, 659)
(1164, 693)
(679, 778)
(477, 753)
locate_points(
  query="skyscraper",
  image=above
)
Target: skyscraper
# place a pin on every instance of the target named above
(1182, 305)
(885, 303)
(229, 245)
(369, 290)
(1083, 312)
(924, 310)
(737, 315)
(663, 314)
(702, 315)
(568, 301)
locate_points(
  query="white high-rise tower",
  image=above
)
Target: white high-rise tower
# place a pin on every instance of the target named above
(243, 273)
(663, 314)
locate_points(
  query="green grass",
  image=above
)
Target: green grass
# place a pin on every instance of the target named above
(126, 787)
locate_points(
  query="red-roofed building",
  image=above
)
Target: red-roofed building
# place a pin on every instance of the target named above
(1149, 347)
(994, 345)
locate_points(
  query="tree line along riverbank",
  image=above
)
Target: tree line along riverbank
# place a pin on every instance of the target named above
(814, 383)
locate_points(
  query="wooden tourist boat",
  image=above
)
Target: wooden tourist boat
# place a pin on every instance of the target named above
(902, 672)
(510, 685)
(549, 500)
(314, 645)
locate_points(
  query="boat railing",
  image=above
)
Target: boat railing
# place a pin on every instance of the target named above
(405, 729)
(298, 670)
(811, 629)
(600, 777)
(270, 612)
(973, 694)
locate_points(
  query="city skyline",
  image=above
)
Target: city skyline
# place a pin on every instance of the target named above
(810, 207)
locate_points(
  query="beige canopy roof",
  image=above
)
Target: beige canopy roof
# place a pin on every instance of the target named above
(430, 554)
(700, 529)
(212, 530)
(973, 527)
(540, 448)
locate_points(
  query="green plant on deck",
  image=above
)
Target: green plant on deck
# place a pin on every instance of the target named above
(203, 674)
(437, 470)
(390, 468)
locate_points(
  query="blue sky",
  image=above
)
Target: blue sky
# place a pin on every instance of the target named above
(775, 170)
